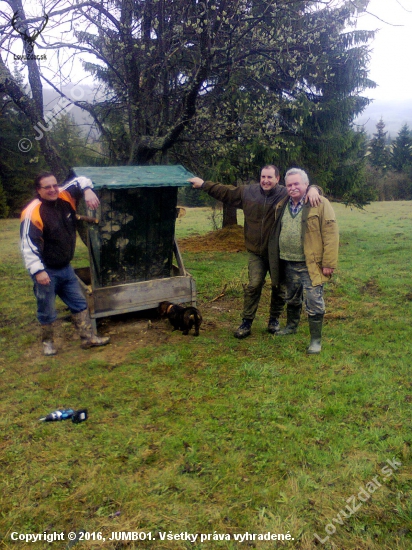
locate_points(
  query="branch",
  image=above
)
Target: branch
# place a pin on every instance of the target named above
(86, 107)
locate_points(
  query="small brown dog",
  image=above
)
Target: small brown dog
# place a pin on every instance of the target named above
(181, 318)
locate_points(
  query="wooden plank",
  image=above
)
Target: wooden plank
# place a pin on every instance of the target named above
(83, 276)
(142, 295)
(193, 289)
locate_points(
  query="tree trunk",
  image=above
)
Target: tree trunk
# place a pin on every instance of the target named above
(229, 215)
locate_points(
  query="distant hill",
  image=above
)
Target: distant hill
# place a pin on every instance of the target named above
(393, 113)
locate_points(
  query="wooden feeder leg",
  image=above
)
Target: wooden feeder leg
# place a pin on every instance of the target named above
(179, 259)
(94, 325)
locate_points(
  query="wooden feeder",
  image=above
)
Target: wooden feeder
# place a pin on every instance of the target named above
(131, 248)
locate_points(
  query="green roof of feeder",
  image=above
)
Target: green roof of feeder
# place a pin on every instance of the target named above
(123, 177)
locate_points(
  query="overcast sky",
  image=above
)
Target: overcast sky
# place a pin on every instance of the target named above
(392, 48)
(390, 65)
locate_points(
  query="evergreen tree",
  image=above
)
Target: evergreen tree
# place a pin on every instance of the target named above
(350, 175)
(247, 126)
(401, 153)
(4, 209)
(191, 197)
(378, 151)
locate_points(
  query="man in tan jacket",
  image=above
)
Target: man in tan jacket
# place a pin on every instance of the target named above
(303, 254)
(257, 202)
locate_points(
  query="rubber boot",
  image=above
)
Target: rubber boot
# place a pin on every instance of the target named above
(315, 329)
(244, 330)
(47, 340)
(292, 323)
(83, 324)
(273, 325)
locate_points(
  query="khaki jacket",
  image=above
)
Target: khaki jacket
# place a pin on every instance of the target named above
(320, 240)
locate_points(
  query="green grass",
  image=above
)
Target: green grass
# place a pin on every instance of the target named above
(212, 434)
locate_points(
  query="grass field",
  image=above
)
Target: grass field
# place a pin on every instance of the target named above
(220, 439)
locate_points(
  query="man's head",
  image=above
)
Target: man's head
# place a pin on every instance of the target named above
(269, 177)
(46, 186)
(296, 182)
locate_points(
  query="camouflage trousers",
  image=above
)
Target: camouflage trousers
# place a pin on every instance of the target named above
(258, 268)
(296, 286)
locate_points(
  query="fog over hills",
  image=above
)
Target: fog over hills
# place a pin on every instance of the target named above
(394, 114)
(80, 92)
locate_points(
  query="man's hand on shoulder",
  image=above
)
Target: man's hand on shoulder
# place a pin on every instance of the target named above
(91, 199)
(197, 183)
(313, 196)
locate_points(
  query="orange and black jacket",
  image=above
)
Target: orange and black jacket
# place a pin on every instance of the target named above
(48, 228)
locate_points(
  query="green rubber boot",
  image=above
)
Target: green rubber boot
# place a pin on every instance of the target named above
(292, 323)
(315, 329)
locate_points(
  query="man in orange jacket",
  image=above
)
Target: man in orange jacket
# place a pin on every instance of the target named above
(48, 240)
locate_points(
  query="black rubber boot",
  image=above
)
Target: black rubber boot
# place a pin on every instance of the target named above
(292, 323)
(244, 330)
(273, 325)
(315, 329)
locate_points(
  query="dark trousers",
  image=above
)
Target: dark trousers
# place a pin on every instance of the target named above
(258, 267)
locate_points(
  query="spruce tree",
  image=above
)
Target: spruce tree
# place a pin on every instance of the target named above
(401, 153)
(378, 151)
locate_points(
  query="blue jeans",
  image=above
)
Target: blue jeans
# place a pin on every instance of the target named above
(66, 286)
(297, 284)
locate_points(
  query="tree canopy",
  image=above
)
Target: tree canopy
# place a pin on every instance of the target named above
(222, 84)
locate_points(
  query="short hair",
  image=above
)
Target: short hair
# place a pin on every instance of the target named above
(298, 172)
(41, 176)
(275, 168)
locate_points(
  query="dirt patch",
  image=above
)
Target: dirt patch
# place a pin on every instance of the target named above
(228, 239)
(128, 332)
(371, 287)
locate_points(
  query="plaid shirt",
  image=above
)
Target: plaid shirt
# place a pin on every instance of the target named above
(294, 210)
